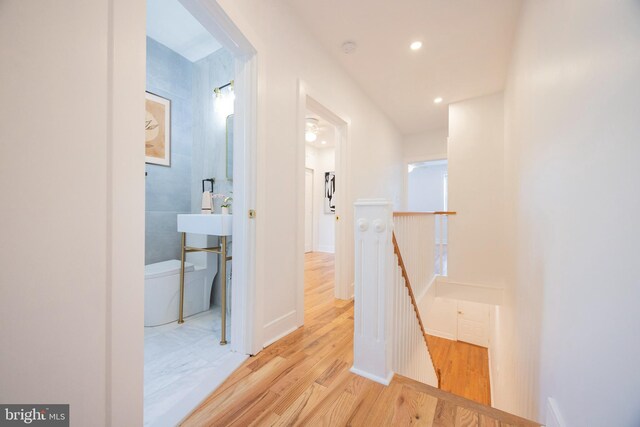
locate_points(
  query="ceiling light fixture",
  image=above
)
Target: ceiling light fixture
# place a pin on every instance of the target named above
(311, 129)
(438, 100)
(349, 47)
(323, 142)
(416, 45)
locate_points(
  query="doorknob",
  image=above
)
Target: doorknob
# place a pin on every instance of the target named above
(459, 312)
(337, 218)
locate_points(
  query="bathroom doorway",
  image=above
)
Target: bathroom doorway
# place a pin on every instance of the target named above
(200, 84)
(324, 213)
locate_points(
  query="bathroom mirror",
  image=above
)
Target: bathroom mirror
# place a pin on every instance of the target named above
(229, 145)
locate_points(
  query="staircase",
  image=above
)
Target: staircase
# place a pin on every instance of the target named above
(412, 356)
(395, 267)
(303, 379)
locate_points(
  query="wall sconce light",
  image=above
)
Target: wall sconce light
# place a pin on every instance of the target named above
(224, 98)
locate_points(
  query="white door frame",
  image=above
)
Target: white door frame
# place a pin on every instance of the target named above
(124, 344)
(245, 330)
(311, 101)
(313, 208)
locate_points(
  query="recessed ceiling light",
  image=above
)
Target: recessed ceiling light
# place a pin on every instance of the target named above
(438, 100)
(323, 142)
(415, 45)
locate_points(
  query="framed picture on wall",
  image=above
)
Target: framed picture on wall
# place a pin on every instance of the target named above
(157, 130)
(330, 192)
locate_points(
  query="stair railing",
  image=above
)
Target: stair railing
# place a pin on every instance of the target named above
(394, 265)
(416, 238)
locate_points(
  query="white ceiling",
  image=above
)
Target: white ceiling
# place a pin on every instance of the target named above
(170, 24)
(465, 53)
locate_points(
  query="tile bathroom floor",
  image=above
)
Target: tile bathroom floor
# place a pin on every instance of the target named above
(183, 364)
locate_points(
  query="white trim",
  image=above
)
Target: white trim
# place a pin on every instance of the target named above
(245, 313)
(313, 243)
(554, 417)
(441, 334)
(484, 294)
(286, 323)
(326, 249)
(124, 228)
(383, 381)
(491, 384)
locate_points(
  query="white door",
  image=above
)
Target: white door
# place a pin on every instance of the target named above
(308, 210)
(473, 323)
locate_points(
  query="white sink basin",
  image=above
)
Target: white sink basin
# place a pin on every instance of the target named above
(211, 224)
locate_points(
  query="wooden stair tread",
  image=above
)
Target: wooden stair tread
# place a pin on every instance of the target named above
(461, 402)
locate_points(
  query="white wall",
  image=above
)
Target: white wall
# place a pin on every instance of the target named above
(476, 151)
(425, 187)
(429, 145)
(288, 55)
(572, 149)
(441, 317)
(72, 92)
(322, 160)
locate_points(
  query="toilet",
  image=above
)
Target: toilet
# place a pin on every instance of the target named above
(162, 291)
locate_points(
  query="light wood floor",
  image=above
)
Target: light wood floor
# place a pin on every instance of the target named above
(464, 368)
(304, 379)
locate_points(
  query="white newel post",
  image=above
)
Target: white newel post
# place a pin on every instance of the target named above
(372, 351)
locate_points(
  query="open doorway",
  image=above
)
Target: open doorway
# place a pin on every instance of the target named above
(427, 191)
(200, 167)
(320, 185)
(323, 209)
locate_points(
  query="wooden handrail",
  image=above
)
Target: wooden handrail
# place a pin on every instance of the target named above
(414, 303)
(424, 213)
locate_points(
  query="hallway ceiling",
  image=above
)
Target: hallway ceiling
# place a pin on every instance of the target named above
(465, 53)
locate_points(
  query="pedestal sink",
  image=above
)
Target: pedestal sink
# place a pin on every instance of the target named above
(211, 224)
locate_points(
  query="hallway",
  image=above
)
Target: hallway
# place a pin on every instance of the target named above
(304, 379)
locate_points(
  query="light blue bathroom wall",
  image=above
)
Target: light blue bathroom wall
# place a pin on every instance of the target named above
(209, 143)
(209, 159)
(168, 189)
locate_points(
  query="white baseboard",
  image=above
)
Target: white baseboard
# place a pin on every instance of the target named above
(554, 417)
(280, 327)
(440, 334)
(326, 249)
(384, 381)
